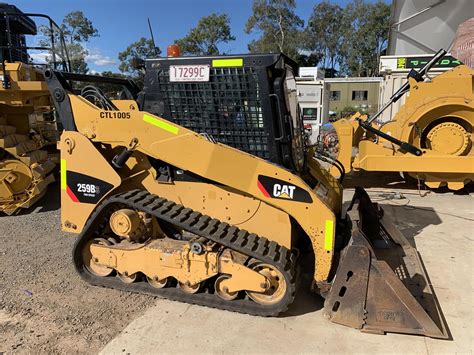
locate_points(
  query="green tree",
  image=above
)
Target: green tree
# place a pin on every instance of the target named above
(76, 29)
(279, 27)
(325, 34)
(367, 36)
(141, 49)
(77, 55)
(205, 38)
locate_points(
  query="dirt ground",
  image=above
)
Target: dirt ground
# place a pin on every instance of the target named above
(44, 305)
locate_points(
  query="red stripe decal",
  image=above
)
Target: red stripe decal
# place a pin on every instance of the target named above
(71, 194)
(260, 186)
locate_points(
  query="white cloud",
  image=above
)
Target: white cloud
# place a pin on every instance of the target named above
(39, 57)
(99, 59)
(94, 57)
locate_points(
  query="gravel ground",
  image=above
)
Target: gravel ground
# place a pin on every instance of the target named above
(44, 305)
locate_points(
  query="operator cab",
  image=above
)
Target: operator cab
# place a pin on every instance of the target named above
(248, 102)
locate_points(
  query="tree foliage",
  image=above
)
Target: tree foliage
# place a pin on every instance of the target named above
(279, 26)
(342, 40)
(348, 40)
(77, 55)
(367, 36)
(204, 39)
(141, 49)
(325, 34)
(77, 29)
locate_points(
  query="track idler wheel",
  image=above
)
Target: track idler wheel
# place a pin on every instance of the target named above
(90, 262)
(222, 291)
(275, 287)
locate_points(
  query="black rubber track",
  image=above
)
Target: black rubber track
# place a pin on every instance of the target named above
(201, 225)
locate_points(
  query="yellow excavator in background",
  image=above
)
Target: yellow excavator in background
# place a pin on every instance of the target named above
(430, 138)
(28, 130)
(169, 211)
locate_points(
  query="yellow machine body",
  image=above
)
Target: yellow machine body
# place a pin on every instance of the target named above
(231, 170)
(437, 117)
(173, 213)
(25, 130)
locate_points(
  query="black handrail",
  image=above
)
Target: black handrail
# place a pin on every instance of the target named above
(60, 52)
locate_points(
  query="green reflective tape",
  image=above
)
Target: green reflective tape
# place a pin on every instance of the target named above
(161, 124)
(63, 174)
(328, 235)
(222, 63)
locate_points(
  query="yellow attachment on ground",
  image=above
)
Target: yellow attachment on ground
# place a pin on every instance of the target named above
(26, 169)
(437, 117)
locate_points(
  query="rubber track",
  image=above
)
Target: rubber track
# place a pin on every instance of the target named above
(230, 236)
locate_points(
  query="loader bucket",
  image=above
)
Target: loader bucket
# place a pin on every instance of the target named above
(380, 284)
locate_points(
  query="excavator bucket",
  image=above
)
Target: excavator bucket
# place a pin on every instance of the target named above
(380, 284)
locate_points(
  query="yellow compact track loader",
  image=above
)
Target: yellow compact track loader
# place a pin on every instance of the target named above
(28, 131)
(164, 210)
(430, 138)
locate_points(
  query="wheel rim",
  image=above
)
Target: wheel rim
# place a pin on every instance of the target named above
(449, 138)
(126, 278)
(156, 282)
(20, 178)
(189, 288)
(90, 263)
(222, 291)
(276, 289)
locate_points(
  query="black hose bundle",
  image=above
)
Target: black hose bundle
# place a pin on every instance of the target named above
(339, 166)
(95, 96)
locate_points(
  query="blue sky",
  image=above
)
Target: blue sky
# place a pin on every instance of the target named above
(121, 22)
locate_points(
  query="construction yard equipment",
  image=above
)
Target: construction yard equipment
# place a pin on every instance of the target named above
(165, 210)
(28, 131)
(430, 138)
